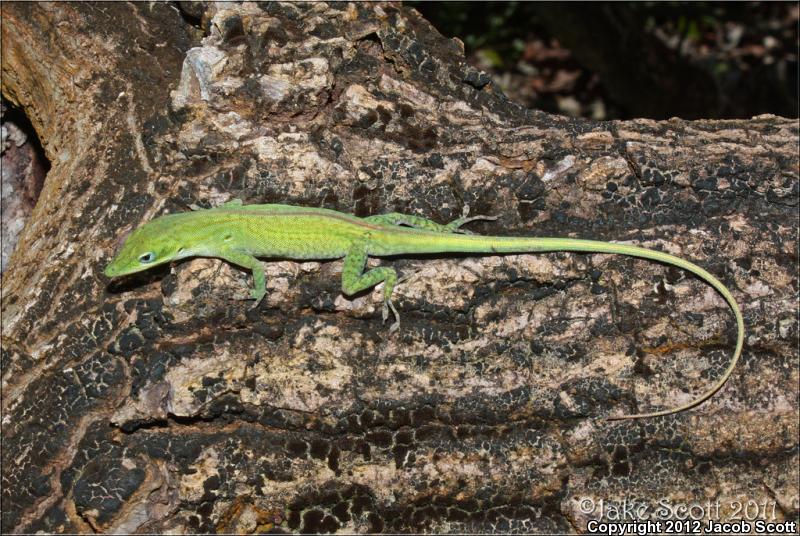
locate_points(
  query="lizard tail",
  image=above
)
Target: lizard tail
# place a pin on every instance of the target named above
(559, 244)
(489, 244)
(666, 258)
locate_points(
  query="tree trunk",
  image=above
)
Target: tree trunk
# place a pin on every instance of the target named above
(166, 403)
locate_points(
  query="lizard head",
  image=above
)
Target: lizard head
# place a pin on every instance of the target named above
(151, 244)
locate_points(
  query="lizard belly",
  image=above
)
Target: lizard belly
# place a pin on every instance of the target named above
(302, 238)
(298, 246)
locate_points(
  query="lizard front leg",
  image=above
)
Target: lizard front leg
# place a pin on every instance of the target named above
(251, 263)
(354, 279)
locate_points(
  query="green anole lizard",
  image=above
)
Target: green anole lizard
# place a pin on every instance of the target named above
(239, 233)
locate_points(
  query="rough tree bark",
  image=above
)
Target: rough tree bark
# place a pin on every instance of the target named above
(165, 403)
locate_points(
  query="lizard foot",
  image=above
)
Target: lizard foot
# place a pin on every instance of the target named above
(385, 314)
(463, 221)
(257, 296)
(455, 226)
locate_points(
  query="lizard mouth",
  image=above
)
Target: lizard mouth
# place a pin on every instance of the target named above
(112, 270)
(117, 267)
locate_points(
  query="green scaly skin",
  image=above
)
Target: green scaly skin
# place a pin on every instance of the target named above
(240, 233)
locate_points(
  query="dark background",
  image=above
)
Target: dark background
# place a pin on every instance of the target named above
(624, 60)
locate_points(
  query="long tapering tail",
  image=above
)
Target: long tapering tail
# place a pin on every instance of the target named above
(491, 244)
(635, 251)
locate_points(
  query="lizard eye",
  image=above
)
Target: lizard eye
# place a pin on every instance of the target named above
(146, 258)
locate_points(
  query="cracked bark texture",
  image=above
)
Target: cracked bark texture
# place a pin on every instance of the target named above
(164, 403)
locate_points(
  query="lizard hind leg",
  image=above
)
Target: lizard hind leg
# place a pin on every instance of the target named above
(355, 279)
(418, 222)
